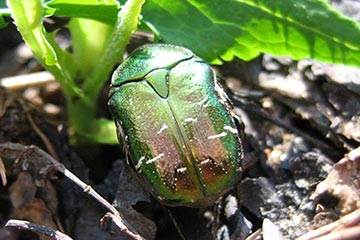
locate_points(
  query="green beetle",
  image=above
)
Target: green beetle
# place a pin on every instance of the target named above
(176, 125)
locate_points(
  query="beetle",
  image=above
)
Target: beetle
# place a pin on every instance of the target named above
(176, 125)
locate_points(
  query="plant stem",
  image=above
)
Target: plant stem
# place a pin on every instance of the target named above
(89, 40)
(82, 116)
(125, 25)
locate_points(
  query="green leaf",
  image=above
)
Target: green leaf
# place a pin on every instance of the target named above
(101, 10)
(105, 132)
(89, 38)
(2, 22)
(220, 29)
(28, 16)
(4, 12)
(126, 24)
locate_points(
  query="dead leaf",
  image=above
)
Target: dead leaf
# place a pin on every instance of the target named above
(37, 212)
(23, 190)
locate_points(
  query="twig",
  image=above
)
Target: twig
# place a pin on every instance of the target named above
(53, 234)
(351, 233)
(49, 146)
(44, 138)
(27, 80)
(120, 224)
(3, 172)
(346, 221)
(256, 235)
(176, 225)
(87, 188)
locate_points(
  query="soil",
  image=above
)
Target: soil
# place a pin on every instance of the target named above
(301, 167)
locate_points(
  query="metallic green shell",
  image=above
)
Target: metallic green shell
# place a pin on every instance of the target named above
(180, 134)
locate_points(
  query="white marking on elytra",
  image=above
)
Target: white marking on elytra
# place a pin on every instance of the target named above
(205, 161)
(181, 170)
(139, 163)
(155, 158)
(220, 135)
(204, 101)
(190, 119)
(231, 129)
(163, 128)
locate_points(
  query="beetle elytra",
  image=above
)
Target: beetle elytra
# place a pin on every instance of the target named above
(179, 132)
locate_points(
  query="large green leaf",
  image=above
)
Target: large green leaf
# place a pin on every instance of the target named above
(245, 28)
(222, 29)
